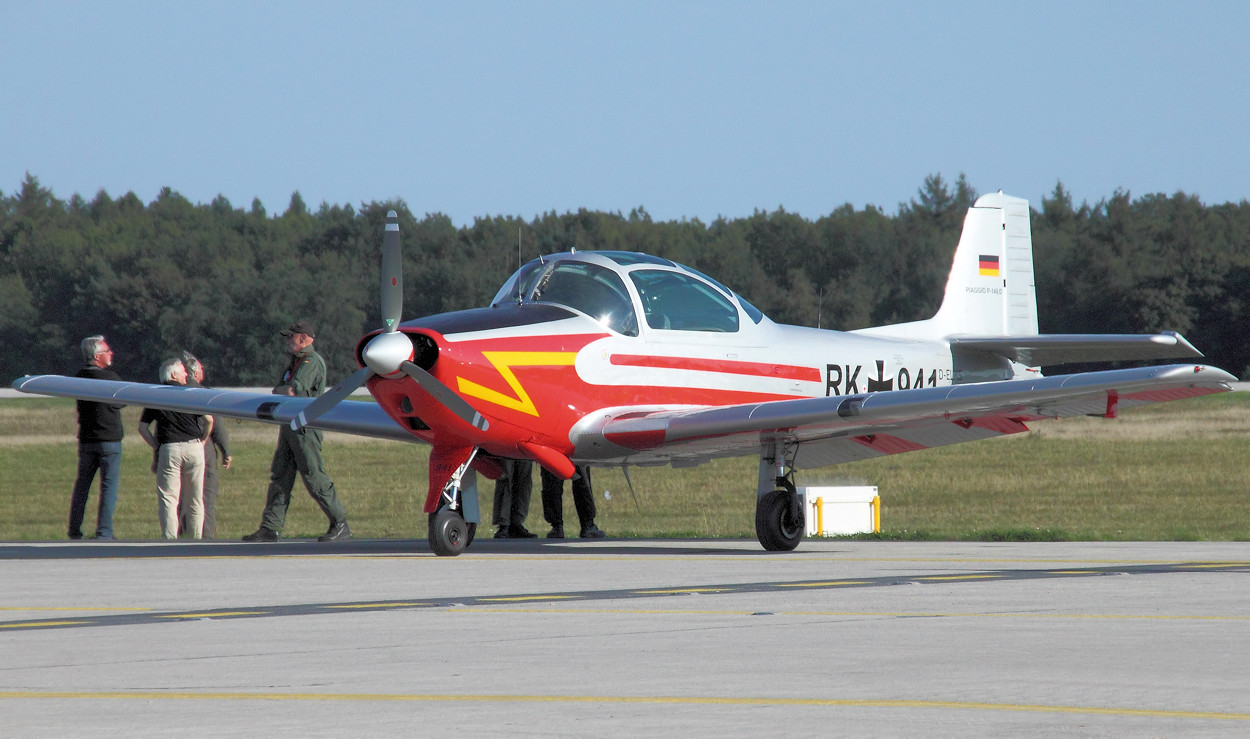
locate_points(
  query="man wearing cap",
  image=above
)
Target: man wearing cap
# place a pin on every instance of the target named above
(300, 451)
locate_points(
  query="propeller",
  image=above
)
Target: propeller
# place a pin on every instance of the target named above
(392, 275)
(390, 353)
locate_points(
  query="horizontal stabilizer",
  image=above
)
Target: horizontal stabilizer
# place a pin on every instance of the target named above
(1051, 349)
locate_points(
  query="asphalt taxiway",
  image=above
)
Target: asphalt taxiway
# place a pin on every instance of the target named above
(625, 638)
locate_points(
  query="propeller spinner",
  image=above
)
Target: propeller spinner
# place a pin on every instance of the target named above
(390, 353)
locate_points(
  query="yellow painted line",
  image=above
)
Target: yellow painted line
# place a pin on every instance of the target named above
(957, 577)
(822, 584)
(39, 624)
(530, 597)
(218, 614)
(627, 699)
(379, 605)
(855, 614)
(70, 608)
(1213, 565)
(679, 590)
(1074, 561)
(613, 612)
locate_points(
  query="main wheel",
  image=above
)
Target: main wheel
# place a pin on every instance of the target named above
(449, 534)
(779, 522)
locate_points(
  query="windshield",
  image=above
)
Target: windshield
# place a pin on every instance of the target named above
(588, 288)
(519, 284)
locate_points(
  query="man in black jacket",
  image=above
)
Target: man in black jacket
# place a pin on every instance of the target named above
(99, 445)
(178, 462)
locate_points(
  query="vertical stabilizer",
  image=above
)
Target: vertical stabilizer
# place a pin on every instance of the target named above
(990, 291)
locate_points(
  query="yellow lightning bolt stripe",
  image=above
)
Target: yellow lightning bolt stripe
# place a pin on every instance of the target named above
(504, 362)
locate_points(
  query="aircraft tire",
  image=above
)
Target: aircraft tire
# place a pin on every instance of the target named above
(449, 534)
(776, 526)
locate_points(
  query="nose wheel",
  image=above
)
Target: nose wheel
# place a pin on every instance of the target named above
(454, 522)
(449, 533)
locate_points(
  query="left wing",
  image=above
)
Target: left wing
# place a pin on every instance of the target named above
(353, 417)
(837, 429)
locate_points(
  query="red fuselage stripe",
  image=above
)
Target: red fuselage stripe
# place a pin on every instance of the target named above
(726, 366)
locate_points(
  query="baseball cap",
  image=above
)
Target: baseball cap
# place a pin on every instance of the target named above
(299, 327)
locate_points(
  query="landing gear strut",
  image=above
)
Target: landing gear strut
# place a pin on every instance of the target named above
(779, 520)
(453, 525)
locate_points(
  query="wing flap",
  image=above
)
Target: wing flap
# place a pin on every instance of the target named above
(353, 417)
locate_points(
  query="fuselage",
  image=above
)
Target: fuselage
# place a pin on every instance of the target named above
(590, 333)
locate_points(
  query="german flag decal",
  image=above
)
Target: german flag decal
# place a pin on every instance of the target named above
(989, 265)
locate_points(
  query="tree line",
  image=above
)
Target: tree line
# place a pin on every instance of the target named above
(221, 281)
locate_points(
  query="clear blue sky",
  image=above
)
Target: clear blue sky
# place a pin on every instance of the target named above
(689, 109)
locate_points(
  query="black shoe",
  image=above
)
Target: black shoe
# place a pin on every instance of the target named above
(592, 532)
(262, 534)
(502, 533)
(557, 532)
(520, 532)
(337, 532)
(98, 537)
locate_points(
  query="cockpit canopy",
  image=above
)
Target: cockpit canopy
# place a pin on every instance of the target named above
(615, 287)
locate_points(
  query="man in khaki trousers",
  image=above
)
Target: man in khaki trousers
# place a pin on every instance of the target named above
(178, 444)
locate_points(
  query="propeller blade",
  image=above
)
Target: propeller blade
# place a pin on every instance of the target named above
(331, 398)
(392, 275)
(387, 351)
(444, 395)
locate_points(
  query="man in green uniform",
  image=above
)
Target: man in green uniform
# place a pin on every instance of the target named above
(300, 451)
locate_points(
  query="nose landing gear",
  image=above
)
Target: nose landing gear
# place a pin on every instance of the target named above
(453, 525)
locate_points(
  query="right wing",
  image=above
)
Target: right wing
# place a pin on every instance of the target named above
(836, 429)
(362, 418)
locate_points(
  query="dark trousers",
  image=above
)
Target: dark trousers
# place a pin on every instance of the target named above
(105, 456)
(583, 498)
(212, 486)
(299, 451)
(512, 493)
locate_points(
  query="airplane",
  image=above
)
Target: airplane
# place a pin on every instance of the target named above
(616, 358)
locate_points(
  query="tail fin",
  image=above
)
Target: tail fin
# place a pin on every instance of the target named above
(989, 311)
(990, 291)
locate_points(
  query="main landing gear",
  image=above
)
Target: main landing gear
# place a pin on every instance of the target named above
(453, 525)
(779, 520)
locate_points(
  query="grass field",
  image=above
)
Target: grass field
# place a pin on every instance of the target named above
(1174, 471)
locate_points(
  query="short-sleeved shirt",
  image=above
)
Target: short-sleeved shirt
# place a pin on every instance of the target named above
(173, 427)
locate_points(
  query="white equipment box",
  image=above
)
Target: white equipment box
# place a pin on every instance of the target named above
(835, 511)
